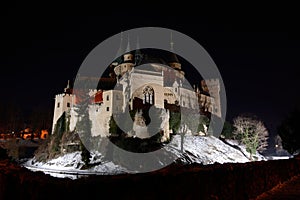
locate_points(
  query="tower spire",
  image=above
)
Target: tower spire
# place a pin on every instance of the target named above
(173, 61)
(67, 89)
(120, 50)
(128, 45)
(171, 42)
(138, 54)
(137, 42)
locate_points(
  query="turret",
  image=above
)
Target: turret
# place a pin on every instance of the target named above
(128, 56)
(173, 60)
(127, 64)
(63, 103)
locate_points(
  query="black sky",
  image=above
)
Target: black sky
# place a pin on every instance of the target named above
(256, 53)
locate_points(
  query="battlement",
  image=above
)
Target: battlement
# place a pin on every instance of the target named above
(212, 82)
(63, 95)
(146, 72)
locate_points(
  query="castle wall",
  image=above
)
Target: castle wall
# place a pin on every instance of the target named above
(188, 99)
(140, 78)
(100, 114)
(99, 119)
(158, 94)
(170, 96)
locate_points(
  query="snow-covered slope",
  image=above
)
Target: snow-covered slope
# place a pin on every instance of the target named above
(209, 150)
(202, 150)
(70, 166)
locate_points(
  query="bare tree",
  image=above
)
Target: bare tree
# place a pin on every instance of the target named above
(252, 133)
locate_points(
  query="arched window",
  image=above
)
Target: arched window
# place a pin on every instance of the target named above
(148, 93)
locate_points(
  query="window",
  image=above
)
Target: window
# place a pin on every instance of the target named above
(68, 105)
(58, 105)
(148, 95)
(107, 98)
(107, 108)
(175, 89)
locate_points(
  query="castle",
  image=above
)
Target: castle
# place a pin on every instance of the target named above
(138, 80)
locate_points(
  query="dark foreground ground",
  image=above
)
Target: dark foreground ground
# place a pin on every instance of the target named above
(287, 190)
(226, 181)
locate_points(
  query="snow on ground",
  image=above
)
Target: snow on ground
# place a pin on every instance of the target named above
(68, 161)
(69, 166)
(196, 149)
(256, 157)
(206, 150)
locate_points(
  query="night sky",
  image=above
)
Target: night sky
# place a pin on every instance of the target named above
(257, 54)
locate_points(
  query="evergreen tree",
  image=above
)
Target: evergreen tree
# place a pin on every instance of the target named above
(227, 131)
(83, 128)
(85, 155)
(174, 121)
(203, 124)
(289, 131)
(113, 127)
(60, 128)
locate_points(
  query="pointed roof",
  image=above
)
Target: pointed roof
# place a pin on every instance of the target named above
(128, 45)
(171, 43)
(173, 57)
(68, 89)
(120, 50)
(138, 54)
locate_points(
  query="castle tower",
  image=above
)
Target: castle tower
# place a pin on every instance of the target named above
(212, 86)
(127, 64)
(128, 56)
(63, 103)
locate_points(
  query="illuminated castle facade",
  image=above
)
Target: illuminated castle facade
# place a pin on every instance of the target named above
(140, 81)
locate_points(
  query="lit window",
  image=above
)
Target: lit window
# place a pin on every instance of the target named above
(58, 105)
(107, 108)
(148, 95)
